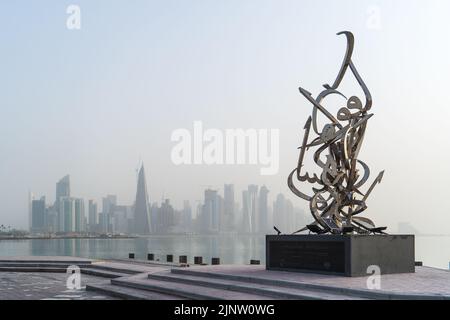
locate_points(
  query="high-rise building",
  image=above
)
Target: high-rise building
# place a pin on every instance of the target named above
(253, 207)
(105, 219)
(154, 218)
(93, 216)
(66, 214)
(228, 207)
(108, 203)
(30, 217)
(104, 222)
(120, 217)
(80, 215)
(211, 211)
(63, 188)
(166, 217)
(52, 218)
(62, 192)
(141, 207)
(187, 216)
(38, 216)
(245, 225)
(263, 210)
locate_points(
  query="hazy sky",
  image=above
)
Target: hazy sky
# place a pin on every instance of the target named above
(93, 102)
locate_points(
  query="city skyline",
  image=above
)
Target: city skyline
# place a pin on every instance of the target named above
(216, 214)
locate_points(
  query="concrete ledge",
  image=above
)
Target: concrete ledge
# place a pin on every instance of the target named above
(128, 293)
(45, 259)
(348, 255)
(273, 291)
(439, 279)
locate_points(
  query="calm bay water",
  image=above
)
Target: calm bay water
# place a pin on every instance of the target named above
(432, 250)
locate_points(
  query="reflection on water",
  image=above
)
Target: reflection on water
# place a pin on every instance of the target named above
(432, 250)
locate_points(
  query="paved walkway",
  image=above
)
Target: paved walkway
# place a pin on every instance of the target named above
(45, 278)
(425, 280)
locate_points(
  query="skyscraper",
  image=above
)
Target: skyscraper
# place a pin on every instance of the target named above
(141, 207)
(210, 211)
(38, 215)
(63, 188)
(228, 210)
(245, 225)
(62, 192)
(30, 217)
(66, 214)
(108, 203)
(106, 217)
(166, 216)
(263, 210)
(154, 218)
(79, 215)
(93, 216)
(187, 216)
(120, 217)
(253, 207)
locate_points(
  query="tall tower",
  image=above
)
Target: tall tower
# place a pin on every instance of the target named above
(263, 210)
(141, 207)
(229, 205)
(63, 188)
(211, 211)
(253, 207)
(30, 212)
(79, 215)
(93, 216)
(62, 192)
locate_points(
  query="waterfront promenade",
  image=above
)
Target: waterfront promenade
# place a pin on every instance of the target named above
(45, 278)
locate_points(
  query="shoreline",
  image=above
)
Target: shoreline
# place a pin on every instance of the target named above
(68, 237)
(156, 235)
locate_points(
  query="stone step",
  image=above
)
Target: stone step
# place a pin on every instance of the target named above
(41, 265)
(183, 290)
(148, 262)
(353, 293)
(63, 269)
(46, 260)
(129, 293)
(33, 269)
(110, 268)
(104, 273)
(272, 291)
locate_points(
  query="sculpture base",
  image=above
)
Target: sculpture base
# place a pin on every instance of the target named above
(348, 255)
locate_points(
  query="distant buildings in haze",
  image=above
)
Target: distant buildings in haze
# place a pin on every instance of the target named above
(215, 214)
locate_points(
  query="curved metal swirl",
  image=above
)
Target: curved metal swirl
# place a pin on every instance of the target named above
(335, 204)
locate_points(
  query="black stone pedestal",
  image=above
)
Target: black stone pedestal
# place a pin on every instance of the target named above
(348, 255)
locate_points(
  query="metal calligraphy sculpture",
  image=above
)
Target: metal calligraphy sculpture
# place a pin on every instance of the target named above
(337, 200)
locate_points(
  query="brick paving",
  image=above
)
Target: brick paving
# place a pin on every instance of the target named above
(46, 286)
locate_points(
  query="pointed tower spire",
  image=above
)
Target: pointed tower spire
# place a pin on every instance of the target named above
(141, 207)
